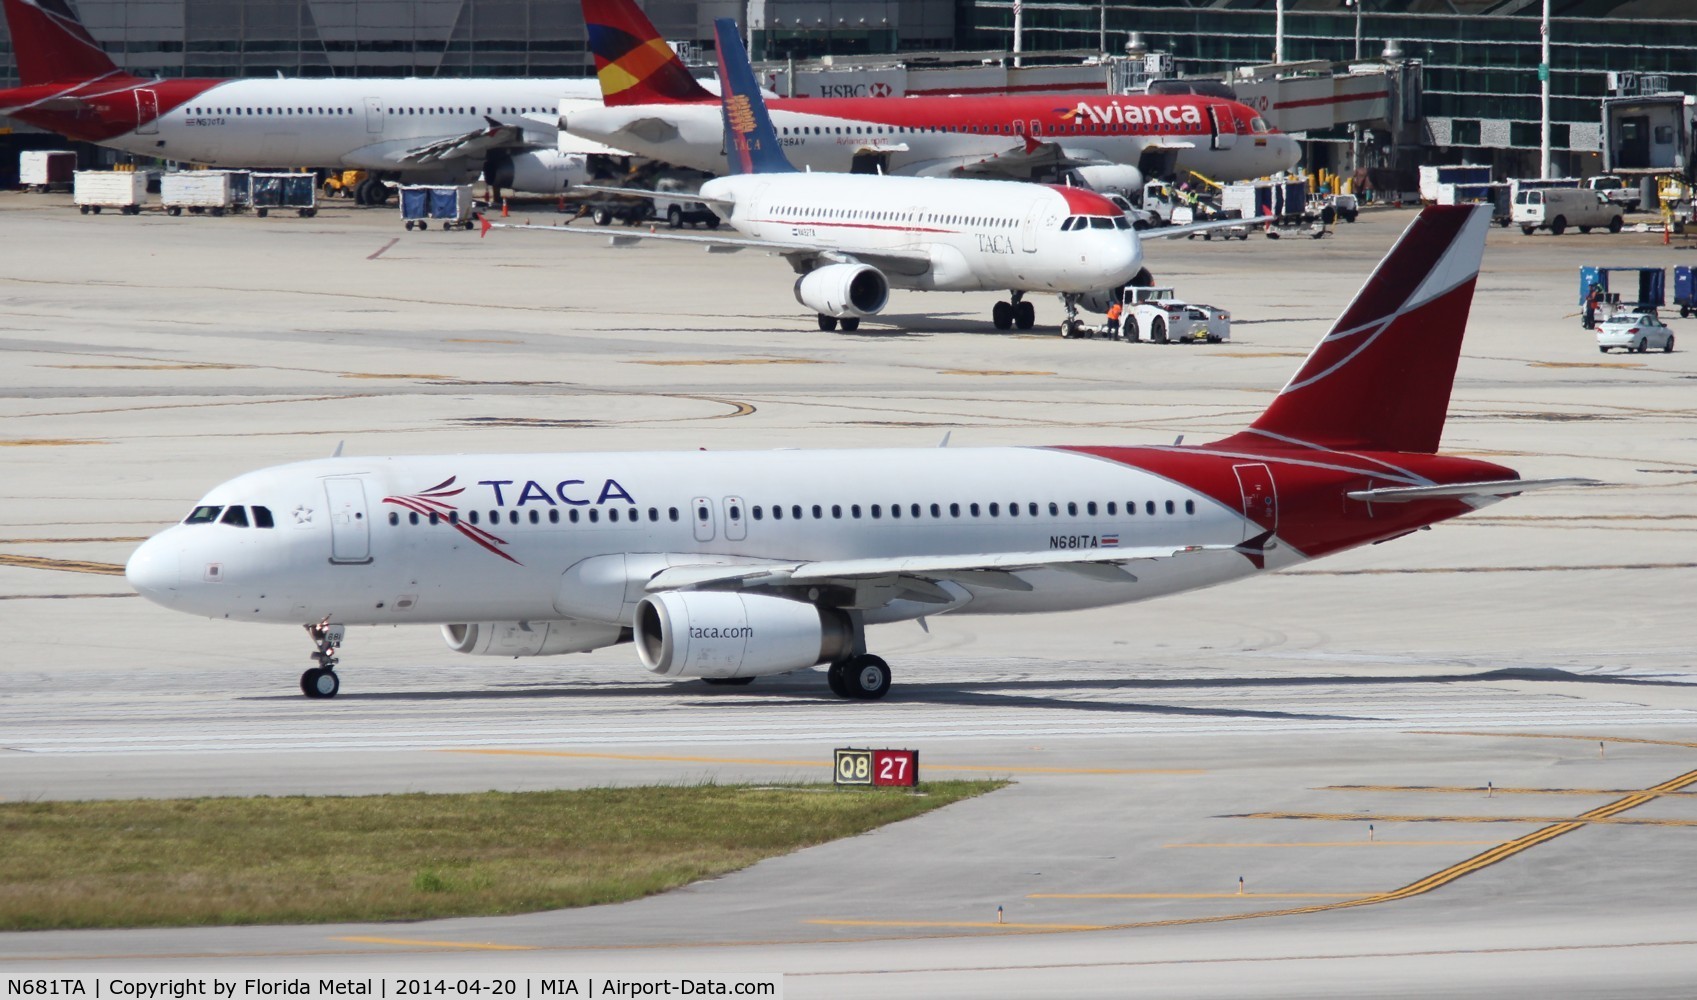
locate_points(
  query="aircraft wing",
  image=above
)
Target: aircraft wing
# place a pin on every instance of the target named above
(1488, 491)
(879, 580)
(800, 254)
(476, 145)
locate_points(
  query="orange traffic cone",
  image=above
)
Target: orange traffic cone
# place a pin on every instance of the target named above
(503, 208)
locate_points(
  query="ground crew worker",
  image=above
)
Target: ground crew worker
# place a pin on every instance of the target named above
(1593, 299)
(1114, 312)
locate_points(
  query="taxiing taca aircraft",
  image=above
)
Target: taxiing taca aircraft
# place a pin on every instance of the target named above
(852, 237)
(419, 130)
(654, 109)
(727, 566)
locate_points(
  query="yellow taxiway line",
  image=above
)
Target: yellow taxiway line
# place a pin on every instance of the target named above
(419, 943)
(1352, 843)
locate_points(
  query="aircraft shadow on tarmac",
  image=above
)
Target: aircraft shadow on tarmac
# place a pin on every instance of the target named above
(810, 691)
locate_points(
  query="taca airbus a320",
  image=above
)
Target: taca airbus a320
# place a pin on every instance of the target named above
(727, 566)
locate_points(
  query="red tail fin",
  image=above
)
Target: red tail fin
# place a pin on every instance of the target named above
(634, 64)
(52, 45)
(1380, 380)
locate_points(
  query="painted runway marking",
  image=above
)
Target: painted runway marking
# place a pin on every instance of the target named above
(1383, 818)
(1353, 843)
(958, 925)
(689, 362)
(42, 442)
(64, 565)
(1200, 895)
(1480, 790)
(671, 759)
(418, 943)
(1556, 736)
(384, 248)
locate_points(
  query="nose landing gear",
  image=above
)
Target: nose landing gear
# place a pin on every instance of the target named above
(321, 681)
(1072, 326)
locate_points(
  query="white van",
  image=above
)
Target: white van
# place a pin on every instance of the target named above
(1556, 209)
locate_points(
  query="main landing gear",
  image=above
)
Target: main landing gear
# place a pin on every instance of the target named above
(1017, 312)
(321, 681)
(829, 323)
(862, 676)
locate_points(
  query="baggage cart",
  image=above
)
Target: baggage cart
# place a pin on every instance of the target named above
(197, 191)
(449, 204)
(1684, 295)
(43, 170)
(124, 190)
(285, 191)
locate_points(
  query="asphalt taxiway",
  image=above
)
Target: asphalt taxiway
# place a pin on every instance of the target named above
(1463, 762)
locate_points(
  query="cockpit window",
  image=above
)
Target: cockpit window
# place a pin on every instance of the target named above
(262, 517)
(1070, 221)
(235, 517)
(203, 515)
(1101, 222)
(1258, 125)
(1121, 223)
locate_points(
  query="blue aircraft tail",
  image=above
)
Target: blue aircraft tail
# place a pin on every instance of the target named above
(751, 144)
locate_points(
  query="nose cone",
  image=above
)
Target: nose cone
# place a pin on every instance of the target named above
(1127, 256)
(1287, 152)
(154, 570)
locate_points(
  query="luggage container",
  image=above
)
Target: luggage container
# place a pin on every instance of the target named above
(451, 204)
(198, 191)
(296, 191)
(1684, 295)
(43, 170)
(124, 190)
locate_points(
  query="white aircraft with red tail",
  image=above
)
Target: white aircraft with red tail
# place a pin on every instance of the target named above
(727, 566)
(852, 237)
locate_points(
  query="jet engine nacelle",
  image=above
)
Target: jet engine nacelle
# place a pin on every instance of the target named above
(531, 638)
(1117, 178)
(541, 171)
(843, 290)
(711, 634)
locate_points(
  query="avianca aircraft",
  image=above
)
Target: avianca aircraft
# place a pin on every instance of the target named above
(655, 110)
(423, 130)
(852, 237)
(728, 566)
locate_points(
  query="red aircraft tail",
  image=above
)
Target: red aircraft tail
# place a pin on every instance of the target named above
(632, 61)
(1380, 380)
(51, 44)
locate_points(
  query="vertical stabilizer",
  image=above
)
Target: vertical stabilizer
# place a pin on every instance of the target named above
(632, 61)
(1380, 380)
(52, 46)
(751, 144)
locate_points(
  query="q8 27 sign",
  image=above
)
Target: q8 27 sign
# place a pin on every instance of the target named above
(882, 768)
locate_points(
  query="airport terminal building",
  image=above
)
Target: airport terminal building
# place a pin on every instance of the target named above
(1479, 59)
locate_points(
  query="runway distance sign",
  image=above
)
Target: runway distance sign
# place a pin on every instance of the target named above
(879, 768)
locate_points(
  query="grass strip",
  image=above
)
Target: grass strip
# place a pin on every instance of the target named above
(302, 859)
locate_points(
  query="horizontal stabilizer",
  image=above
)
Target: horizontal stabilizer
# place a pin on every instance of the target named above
(1496, 489)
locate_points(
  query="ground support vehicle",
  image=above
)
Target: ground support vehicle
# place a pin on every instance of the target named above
(198, 191)
(341, 183)
(1155, 315)
(607, 210)
(1598, 301)
(449, 205)
(44, 170)
(1636, 330)
(1684, 290)
(278, 191)
(124, 190)
(1617, 190)
(1556, 209)
(1343, 206)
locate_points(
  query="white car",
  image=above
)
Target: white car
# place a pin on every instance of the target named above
(1634, 330)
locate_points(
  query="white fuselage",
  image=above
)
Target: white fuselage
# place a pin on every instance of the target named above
(692, 135)
(354, 540)
(977, 235)
(363, 123)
